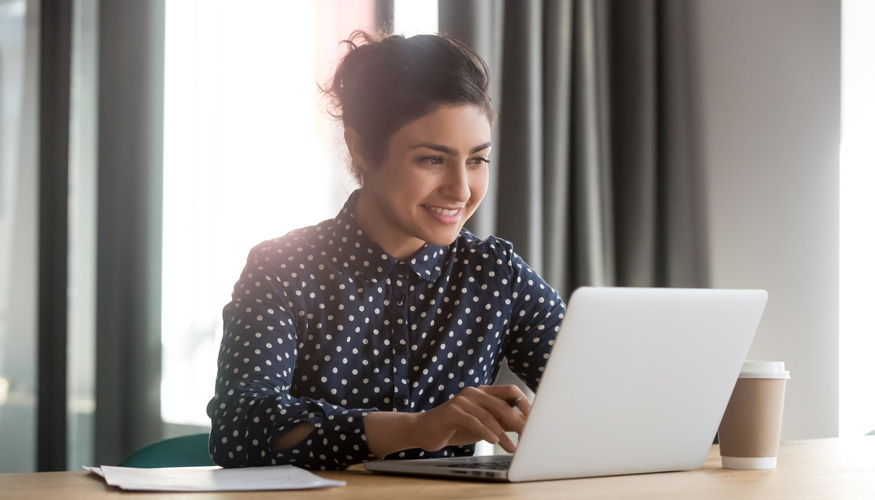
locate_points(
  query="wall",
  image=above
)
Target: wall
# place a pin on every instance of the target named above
(770, 89)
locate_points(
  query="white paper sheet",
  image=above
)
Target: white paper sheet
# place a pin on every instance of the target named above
(277, 477)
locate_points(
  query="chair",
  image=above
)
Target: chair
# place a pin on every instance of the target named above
(184, 451)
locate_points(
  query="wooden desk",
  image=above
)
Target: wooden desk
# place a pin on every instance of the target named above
(821, 469)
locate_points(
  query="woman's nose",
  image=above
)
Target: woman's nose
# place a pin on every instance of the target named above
(455, 184)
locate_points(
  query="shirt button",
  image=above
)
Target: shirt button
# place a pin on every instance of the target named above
(399, 299)
(400, 401)
(399, 348)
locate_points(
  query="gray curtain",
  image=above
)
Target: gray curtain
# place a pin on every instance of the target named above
(56, 21)
(597, 180)
(130, 151)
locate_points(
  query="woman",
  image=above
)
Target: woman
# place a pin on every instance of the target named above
(379, 332)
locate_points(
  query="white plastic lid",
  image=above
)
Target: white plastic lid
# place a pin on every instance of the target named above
(764, 369)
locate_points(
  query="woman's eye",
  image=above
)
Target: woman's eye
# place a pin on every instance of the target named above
(480, 161)
(432, 160)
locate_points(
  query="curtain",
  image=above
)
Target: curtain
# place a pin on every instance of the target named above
(56, 23)
(129, 156)
(597, 178)
(129, 164)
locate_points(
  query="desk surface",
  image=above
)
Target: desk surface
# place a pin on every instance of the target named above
(822, 469)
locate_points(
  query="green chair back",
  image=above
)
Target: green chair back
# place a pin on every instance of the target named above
(184, 451)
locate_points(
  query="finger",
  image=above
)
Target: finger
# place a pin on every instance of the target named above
(506, 443)
(525, 407)
(510, 393)
(511, 420)
(484, 416)
(522, 403)
(469, 423)
(489, 398)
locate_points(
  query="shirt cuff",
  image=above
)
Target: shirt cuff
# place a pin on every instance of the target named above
(337, 442)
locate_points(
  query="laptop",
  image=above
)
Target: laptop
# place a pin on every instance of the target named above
(637, 382)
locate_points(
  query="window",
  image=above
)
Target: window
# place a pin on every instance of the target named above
(856, 239)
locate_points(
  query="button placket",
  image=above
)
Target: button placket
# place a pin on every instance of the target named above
(399, 338)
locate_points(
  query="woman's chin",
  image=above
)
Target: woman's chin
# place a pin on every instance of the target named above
(445, 239)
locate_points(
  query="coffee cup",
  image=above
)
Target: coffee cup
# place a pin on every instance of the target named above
(751, 428)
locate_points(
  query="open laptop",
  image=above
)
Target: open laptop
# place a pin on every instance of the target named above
(637, 382)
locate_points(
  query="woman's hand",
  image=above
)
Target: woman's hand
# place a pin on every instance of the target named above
(476, 413)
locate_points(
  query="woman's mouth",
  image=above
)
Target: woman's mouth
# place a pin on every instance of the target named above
(449, 216)
(444, 211)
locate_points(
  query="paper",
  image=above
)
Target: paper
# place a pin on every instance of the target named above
(276, 477)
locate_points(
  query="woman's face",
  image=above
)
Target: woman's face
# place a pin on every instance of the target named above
(433, 178)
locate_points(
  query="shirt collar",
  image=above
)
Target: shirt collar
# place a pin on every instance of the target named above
(350, 247)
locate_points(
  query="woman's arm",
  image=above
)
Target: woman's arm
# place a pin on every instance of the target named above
(476, 413)
(253, 405)
(537, 312)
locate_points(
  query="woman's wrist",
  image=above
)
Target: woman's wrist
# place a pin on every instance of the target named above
(389, 432)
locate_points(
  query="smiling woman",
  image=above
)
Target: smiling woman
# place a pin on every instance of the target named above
(417, 121)
(433, 178)
(381, 331)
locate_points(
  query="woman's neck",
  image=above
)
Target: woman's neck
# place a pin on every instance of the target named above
(373, 220)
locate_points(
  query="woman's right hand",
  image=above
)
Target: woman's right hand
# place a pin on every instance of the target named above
(476, 413)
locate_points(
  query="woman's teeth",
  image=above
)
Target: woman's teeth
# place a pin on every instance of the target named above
(442, 211)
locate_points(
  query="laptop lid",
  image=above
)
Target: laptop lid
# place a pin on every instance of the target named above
(637, 381)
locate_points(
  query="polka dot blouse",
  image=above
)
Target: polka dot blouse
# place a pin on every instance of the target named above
(324, 327)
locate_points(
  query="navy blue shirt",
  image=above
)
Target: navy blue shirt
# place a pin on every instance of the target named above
(324, 327)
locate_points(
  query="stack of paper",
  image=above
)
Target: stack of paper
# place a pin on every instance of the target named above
(277, 477)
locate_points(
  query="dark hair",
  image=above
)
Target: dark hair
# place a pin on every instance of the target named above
(385, 82)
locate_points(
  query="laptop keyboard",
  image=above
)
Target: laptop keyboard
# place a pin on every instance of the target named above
(490, 465)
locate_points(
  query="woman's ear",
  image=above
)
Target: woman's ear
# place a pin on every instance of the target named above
(355, 145)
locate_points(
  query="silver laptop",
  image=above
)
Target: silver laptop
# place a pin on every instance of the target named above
(637, 382)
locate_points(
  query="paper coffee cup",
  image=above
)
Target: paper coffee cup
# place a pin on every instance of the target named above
(751, 428)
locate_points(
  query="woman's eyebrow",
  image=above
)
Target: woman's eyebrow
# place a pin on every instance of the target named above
(449, 150)
(481, 147)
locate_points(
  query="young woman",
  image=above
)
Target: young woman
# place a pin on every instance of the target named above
(380, 332)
